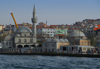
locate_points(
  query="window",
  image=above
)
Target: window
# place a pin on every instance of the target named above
(30, 33)
(58, 32)
(30, 40)
(88, 48)
(85, 42)
(52, 50)
(9, 43)
(46, 49)
(45, 45)
(25, 40)
(82, 43)
(84, 48)
(64, 48)
(6, 43)
(19, 40)
(52, 45)
(96, 26)
(88, 43)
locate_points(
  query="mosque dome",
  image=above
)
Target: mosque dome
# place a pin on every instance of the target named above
(76, 33)
(8, 38)
(66, 40)
(23, 29)
(17, 34)
(48, 40)
(62, 40)
(55, 40)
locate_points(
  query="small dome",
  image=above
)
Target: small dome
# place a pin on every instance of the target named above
(7, 38)
(23, 29)
(61, 40)
(76, 33)
(48, 40)
(66, 40)
(17, 34)
(55, 40)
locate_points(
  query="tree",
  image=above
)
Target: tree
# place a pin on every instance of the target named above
(93, 41)
(2, 37)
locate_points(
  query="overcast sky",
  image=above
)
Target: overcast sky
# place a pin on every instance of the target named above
(56, 12)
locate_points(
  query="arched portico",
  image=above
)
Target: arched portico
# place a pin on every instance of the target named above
(33, 45)
(19, 46)
(26, 46)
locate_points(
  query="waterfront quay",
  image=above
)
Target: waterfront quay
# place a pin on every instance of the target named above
(92, 54)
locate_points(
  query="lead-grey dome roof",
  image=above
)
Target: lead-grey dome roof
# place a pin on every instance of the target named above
(48, 40)
(66, 40)
(62, 40)
(8, 38)
(17, 34)
(23, 29)
(57, 40)
(76, 33)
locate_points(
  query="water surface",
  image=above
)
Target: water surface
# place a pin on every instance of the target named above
(47, 62)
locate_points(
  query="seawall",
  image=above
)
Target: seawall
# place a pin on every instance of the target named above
(55, 54)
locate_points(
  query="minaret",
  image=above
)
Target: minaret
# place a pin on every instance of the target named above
(34, 21)
(46, 21)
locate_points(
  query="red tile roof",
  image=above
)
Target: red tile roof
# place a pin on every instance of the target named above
(60, 35)
(30, 27)
(45, 27)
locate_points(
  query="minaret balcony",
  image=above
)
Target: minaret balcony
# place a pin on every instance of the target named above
(34, 20)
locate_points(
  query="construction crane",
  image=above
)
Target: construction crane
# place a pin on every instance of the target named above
(14, 20)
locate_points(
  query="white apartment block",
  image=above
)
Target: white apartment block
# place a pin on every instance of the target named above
(45, 31)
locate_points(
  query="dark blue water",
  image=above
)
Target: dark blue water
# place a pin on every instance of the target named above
(47, 62)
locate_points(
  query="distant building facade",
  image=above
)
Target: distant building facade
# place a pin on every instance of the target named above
(53, 45)
(44, 31)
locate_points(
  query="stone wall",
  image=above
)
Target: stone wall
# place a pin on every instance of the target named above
(61, 44)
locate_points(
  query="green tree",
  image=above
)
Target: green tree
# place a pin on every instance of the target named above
(93, 41)
(1, 38)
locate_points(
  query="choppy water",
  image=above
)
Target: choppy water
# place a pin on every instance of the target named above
(47, 62)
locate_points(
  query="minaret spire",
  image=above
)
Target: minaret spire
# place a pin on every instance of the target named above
(34, 11)
(34, 21)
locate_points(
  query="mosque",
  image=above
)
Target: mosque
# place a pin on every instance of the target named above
(26, 38)
(23, 37)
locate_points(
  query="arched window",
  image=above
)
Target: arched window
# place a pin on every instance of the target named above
(19, 40)
(25, 40)
(30, 40)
